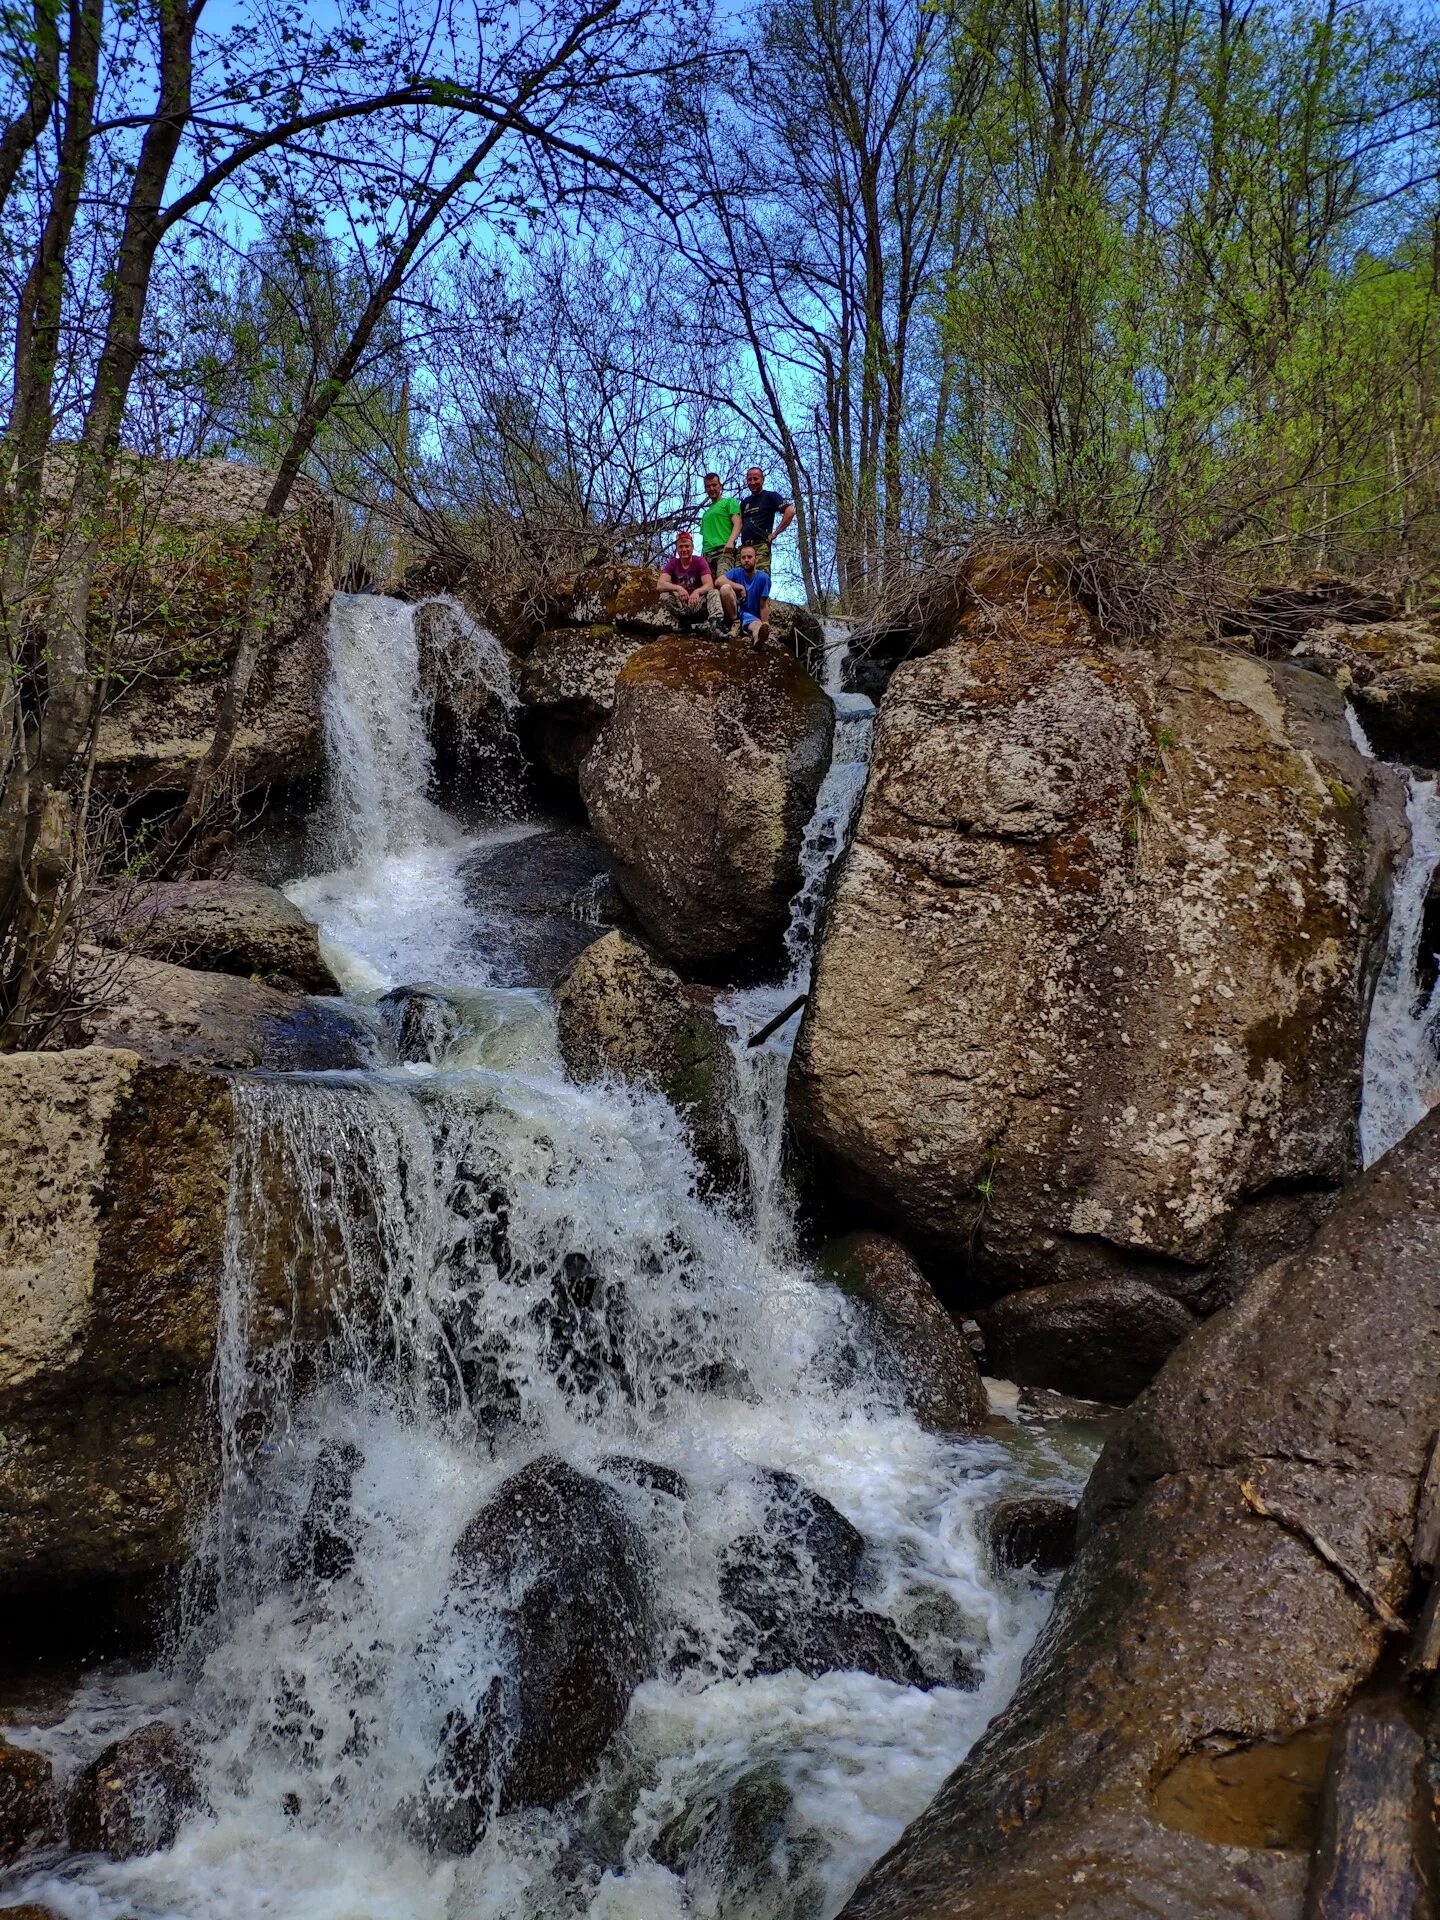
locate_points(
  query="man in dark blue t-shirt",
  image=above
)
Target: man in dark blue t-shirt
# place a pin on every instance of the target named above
(758, 507)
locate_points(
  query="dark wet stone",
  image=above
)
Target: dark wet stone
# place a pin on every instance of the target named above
(919, 1345)
(1037, 1532)
(736, 1844)
(419, 1025)
(133, 1797)
(544, 898)
(1103, 1338)
(324, 1549)
(27, 1801)
(644, 1473)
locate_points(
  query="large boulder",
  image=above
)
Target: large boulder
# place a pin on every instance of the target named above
(1091, 994)
(701, 785)
(568, 687)
(919, 1345)
(169, 605)
(227, 926)
(114, 1176)
(1203, 1636)
(540, 901)
(181, 1016)
(552, 1561)
(621, 1011)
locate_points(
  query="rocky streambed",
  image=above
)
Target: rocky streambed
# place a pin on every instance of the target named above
(548, 1428)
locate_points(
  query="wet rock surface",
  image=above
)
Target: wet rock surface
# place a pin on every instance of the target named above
(543, 899)
(133, 1798)
(179, 1016)
(556, 1554)
(621, 1011)
(1038, 1533)
(1091, 989)
(795, 1585)
(27, 1799)
(1104, 1338)
(223, 926)
(1319, 1391)
(701, 785)
(922, 1348)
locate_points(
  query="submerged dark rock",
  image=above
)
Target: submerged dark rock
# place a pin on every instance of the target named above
(1036, 1532)
(920, 1346)
(542, 899)
(554, 1554)
(324, 1548)
(133, 1797)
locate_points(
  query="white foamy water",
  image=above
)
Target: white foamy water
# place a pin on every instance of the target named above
(1402, 1043)
(515, 1267)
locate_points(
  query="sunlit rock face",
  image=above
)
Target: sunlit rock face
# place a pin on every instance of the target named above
(1091, 993)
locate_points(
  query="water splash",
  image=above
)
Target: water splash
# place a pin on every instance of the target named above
(1402, 1042)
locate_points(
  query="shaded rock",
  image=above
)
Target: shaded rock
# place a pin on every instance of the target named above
(1278, 614)
(568, 687)
(223, 926)
(179, 1016)
(1391, 670)
(133, 1798)
(1092, 985)
(919, 1344)
(324, 1548)
(1103, 1339)
(795, 1585)
(618, 1010)
(543, 899)
(467, 675)
(613, 596)
(554, 1552)
(1037, 1532)
(171, 582)
(27, 1799)
(736, 1846)
(651, 1474)
(701, 785)
(1190, 1625)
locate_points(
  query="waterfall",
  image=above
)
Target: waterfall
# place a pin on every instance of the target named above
(758, 1074)
(1402, 1042)
(434, 1275)
(1401, 1076)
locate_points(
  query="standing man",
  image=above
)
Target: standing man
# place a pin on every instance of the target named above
(685, 581)
(758, 508)
(751, 586)
(719, 527)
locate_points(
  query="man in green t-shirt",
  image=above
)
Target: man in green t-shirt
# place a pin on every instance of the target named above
(719, 528)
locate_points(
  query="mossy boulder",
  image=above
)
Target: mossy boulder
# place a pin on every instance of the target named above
(1091, 992)
(919, 1345)
(701, 785)
(621, 1011)
(167, 609)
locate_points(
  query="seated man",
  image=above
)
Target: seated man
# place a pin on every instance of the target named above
(686, 583)
(751, 589)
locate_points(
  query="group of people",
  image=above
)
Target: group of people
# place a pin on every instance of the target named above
(727, 583)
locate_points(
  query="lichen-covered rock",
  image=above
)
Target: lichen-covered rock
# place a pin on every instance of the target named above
(113, 1178)
(27, 1799)
(611, 596)
(1104, 1337)
(1193, 1628)
(919, 1344)
(620, 1011)
(701, 784)
(170, 589)
(568, 687)
(224, 926)
(133, 1797)
(181, 1016)
(554, 1554)
(1091, 993)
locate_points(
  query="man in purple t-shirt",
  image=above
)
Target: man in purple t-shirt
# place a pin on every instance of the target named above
(685, 582)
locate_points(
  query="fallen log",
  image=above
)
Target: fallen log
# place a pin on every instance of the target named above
(1373, 1856)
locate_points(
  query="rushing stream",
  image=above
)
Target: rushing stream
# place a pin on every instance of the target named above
(529, 1268)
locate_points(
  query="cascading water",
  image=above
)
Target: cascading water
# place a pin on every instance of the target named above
(1402, 1042)
(434, 1276)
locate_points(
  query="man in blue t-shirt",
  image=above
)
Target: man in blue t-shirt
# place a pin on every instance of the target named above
(759, 506)
(745, 591)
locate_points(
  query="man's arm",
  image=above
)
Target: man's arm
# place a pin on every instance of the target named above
(664, 582)
(787, 514)
(731, 543)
